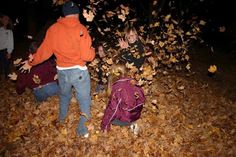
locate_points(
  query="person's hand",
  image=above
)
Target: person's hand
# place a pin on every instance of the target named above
(8, 56)
(31, 57)
(123, 44)
(25, 67)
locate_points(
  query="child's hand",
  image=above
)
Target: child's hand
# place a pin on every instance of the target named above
(25, 67)
(123, 44)
(8, 56)
(31, 57)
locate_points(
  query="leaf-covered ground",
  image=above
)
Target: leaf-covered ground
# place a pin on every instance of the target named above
(183, 116)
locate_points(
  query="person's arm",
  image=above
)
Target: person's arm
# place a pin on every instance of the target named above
(126, 55)
(21, 83)
(86, 49)
(10, 43)
(44, 51)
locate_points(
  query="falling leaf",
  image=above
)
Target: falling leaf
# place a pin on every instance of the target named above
(154, 2)
(202, 23)
(107, 30)
(188, 66)
(109, 61)
(212, 69)
(88, 15)
(84, 114)
(124, 9)
(64, 131)
(100, 31)
(167, 18)
(154, 13)
(181, 87)
(161, 44)
(13, 76)
(110, 14)
(188, 33)
(212, 49)
(29, 36)
(173, 59)
(17, 61)
(154, 101)
(36, 79)
(187, 57)
(122, 17)
(133, 20)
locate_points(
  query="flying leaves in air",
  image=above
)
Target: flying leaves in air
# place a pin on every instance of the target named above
(123, 13)
(17, 61)
(88, 15)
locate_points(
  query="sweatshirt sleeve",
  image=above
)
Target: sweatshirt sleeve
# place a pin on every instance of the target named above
(86, 49)
(44, 51)
(10, 42)
(21, 83)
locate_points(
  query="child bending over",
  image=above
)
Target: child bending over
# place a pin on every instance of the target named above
(126, 100)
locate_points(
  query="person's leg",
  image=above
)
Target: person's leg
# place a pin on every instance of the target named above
(82, 87)
(46, 91)
(39, 94)
(51, 89)
(6, 64)
(133, 125)
(65, 92)
(120, 123)
(1, 63)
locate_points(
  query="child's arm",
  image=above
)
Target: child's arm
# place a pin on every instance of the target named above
(86, 49)
(109, 85)
(21, 83)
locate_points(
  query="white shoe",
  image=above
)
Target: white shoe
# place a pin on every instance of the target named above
(86, 135)
(134, 128)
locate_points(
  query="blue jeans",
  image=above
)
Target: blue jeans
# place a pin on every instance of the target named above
(80, 80)
(4, 63)
(99, 88)
(120, 123)
(42, 93)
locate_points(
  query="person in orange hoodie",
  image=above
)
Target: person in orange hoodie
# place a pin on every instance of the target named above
(71, 43)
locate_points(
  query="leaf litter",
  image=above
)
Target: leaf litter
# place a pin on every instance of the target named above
(181, 117)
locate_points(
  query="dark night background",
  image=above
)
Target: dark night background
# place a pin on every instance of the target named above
(34, 14)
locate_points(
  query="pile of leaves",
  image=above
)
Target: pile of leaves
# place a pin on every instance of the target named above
(181, 117)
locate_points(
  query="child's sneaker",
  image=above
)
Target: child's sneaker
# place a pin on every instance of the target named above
(86, 135)
(99, 88)
(134, 128)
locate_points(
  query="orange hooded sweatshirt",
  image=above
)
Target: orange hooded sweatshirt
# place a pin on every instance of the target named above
(69, 40)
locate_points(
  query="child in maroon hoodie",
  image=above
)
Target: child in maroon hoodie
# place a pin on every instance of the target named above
(126, 100)
(41, 79)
